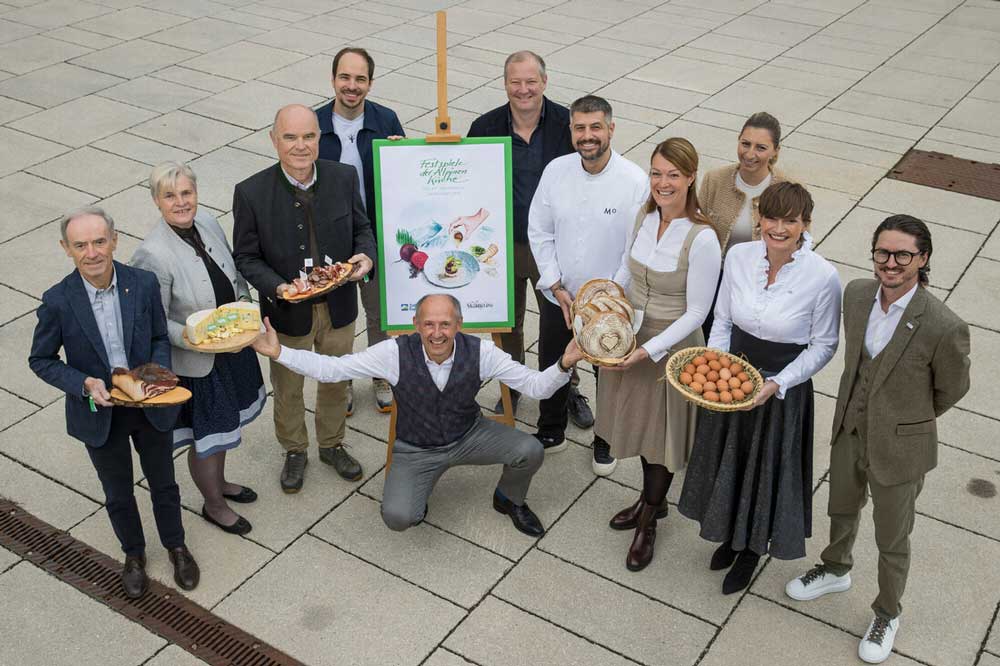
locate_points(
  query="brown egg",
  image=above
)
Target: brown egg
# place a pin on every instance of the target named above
(726, 397)
(710, 386)
(724, 360)
(703, 368)
(698, 377)
(711, 395)
(712, 376)
(696, 387)
(715, 365)
(742, 376)
(725, 374)
(746, 387)
(686, 378)
(734, 383)
(711, 355)
(738, 395)
(735, 368)
(698, 360)
(690, 368)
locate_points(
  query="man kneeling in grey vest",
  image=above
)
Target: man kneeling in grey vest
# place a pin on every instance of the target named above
(435, 375)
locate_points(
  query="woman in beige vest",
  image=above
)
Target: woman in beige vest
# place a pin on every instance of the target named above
(669, 270)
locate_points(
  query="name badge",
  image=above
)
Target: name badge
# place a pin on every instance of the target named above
(309, 262)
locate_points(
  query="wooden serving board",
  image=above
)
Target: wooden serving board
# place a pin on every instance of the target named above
(320, 292)
(175, 396)
(232, 344)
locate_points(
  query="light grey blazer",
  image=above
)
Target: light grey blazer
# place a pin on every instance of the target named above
(185, 286)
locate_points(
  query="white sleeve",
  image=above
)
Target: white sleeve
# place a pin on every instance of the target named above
(623, 276)
(823, 338)
(704, 261)
(381, 360)
(722, 325)
(494, 363)
(542, 232)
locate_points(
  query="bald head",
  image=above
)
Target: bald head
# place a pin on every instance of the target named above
(438, 320)
(295, 135)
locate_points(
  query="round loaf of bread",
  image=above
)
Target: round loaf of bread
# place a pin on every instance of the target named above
(593, 288)
(607, 335)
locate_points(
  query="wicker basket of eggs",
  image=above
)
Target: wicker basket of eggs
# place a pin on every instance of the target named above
(714, 379)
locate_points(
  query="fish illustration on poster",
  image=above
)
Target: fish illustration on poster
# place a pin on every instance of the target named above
(443, 215)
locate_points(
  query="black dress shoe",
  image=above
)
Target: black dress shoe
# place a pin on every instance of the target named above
(579, 411)
(342, 461)
(134, 578)
(723, 557)
(240, 527)
(524, 519)
(552, 443)
(186, 571)
(245, 496)
(739, 576)
(294, 471)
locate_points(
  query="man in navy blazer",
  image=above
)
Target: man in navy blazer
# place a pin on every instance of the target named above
(106, 315)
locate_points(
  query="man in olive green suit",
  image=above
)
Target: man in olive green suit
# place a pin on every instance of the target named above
(906, 363)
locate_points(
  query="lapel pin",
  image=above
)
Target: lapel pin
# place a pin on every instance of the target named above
(909, 325)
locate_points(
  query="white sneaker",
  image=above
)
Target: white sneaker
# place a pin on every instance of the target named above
(383, 395)
(603, 463)
(876, 646)
(815, 583)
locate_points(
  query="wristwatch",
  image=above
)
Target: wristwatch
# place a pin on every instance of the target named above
(562, 367)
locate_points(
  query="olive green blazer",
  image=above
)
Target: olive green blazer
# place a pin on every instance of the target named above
(924, 370)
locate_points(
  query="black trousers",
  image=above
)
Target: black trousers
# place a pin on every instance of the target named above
(113, 463)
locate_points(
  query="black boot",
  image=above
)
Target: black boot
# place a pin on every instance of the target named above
(723, 557)
(739, 576)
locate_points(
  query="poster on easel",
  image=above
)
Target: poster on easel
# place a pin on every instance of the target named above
(444, 215)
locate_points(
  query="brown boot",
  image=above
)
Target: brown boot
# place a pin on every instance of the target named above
(640, 553)
(628, 518)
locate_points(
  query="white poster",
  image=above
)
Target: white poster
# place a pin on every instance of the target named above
(444, 225)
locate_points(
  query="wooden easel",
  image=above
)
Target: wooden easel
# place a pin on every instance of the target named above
(443, 134)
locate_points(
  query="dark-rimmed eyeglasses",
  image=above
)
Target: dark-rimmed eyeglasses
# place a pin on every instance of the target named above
(902, 257)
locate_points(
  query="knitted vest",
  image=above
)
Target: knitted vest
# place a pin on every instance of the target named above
(426, 416)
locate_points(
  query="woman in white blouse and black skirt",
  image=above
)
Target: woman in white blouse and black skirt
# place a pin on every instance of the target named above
(749, 480)
(669, 270)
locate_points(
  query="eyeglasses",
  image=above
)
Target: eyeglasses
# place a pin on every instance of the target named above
(902, 257)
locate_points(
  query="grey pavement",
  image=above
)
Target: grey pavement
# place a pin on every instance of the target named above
(93, 93)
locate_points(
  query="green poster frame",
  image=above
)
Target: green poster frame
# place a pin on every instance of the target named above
(377, 146)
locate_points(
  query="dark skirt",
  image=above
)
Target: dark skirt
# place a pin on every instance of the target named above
(749, 479)
(222, 402)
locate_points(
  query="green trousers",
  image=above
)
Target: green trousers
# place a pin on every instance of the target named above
(893, 512)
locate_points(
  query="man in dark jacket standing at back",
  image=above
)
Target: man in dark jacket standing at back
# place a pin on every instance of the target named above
(348, 124)
(301, 213)
(539, 132)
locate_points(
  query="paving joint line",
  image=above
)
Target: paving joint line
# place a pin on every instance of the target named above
(957, 526)
(989, 630)
(4, 454)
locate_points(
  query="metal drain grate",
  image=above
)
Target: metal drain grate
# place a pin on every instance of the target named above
(162, 610)
(947, 172)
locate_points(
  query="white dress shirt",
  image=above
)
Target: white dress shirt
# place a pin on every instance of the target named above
(382, 360)
(347, 131)
(579, 222)
(881, 325)
(704, 261)
(801, 307)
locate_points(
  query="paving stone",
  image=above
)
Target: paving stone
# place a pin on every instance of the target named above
(796, 106)
(188, 131)
(205, 34)
(302, 39)
(243, 61)
(676, 576)
(556, 22)
(460, 121)
(954, 491)
(414, 555)
(992, 248)
(928, 89)
(311, 75)
(197, 8)
(56, 84)
(780, 32)
(220, 171)
(986, 659)
(25, 55)
(869, 123)
(936, 548)
(969, 431)
(30, 201)
(914, 113)
(132, 59)
(816, 17)
(325, 595)
(960, 44)
(259, 142)
(936, 205)
(194, 79)
(56, 13)
(835, 52)
(563, 594)
(9, 30)
(225, 560)
(947, 265)
(707, 140)
(974, 115)
(83, 120)
(479, 101)
(252, 104)
(588, 61)
(799, 79)
(89, 631)
(985, 366)
(46, 499)
(926, 64)
(933, 145)
(130, 23)
(749, 638)
(830, 172)
(653, 29)
(14, 408)
(133, 209)
(142, 150)
(485, 638)
(15, 345)
(442, 657)
(830, 207)
(93, 171)
(719, 43)
(81, 37)
(647, 94)
(9, 559)
(978, 287)
(425, 38)
(461, 501)
(854, 136)
(153, 94)
(174, 656)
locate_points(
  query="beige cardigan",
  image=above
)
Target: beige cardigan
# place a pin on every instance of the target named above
(721, 201)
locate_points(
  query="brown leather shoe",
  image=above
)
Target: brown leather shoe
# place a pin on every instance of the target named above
(628, 518)
(640, 553)
(186, 572)
(134, 578)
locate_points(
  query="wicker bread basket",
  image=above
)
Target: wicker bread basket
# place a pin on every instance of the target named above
(676, 363)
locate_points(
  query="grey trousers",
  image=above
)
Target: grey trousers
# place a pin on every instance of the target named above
(415, 470)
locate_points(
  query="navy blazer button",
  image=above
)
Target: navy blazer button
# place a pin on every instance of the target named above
(302, 247)
(297, 204)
